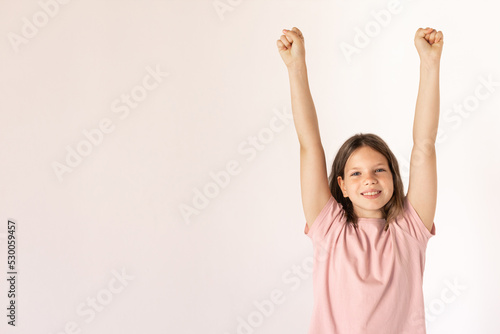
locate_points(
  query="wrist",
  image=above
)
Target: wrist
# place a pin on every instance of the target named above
(429, 65)
(297, 67)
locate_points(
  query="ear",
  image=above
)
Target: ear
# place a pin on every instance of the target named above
(340, 181)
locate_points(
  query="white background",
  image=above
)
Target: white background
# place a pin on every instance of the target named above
(121, 208)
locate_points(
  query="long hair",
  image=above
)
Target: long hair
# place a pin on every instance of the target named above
(394, 207)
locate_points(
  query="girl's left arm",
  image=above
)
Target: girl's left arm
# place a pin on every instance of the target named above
(422, 189)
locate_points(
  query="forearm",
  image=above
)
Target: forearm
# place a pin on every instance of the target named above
(425, 124)
(304, 113)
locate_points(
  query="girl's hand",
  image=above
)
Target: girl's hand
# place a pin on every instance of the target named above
(429, 44)
(291, 48)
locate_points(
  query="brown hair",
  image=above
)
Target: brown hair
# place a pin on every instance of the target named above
(394, 207)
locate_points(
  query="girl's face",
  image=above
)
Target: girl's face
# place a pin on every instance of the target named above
(365, 170)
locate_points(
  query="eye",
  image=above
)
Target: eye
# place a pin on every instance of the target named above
(376, 169)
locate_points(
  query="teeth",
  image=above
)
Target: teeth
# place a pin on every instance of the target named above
(373, 193)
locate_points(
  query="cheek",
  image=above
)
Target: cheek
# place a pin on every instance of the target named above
(349, 186)
(390, 182)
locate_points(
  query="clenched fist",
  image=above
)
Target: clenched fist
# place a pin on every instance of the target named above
(291, 48)
(429, 44)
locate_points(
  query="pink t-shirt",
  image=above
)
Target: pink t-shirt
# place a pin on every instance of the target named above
(368, 281)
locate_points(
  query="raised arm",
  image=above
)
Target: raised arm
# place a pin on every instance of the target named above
(422, 189)
(315, 190)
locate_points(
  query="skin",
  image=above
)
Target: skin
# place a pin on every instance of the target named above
(368, 176)
(429, 45)
(422, 189)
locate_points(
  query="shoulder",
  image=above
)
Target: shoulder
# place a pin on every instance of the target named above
(331, 213)
(411, 223)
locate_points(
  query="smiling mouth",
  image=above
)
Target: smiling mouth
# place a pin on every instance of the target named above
(371, 192)
(372, 196)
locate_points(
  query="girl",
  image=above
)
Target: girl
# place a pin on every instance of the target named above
(369, 239)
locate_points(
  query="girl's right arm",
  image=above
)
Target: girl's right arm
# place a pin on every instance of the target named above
(315, 190)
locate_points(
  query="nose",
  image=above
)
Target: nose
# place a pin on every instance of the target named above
(370, 180)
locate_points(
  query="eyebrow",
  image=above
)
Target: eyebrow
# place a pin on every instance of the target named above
(379, 164)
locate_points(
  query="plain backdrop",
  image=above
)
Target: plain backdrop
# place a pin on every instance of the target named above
(170, 202)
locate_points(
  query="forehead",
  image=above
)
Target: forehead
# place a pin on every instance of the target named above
(365, 157)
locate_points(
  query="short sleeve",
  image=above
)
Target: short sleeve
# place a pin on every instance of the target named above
(322, 225)
(416, 227)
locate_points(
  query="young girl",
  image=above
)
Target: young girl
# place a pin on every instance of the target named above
(369, 239)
